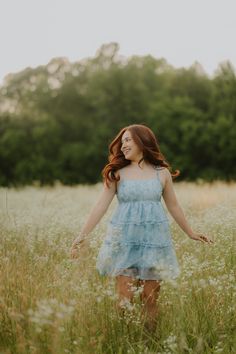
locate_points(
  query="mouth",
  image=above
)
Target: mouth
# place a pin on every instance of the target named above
(126, 151)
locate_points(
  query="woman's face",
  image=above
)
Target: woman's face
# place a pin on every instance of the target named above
(129, 148)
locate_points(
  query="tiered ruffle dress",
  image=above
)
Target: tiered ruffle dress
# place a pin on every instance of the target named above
(138, 242)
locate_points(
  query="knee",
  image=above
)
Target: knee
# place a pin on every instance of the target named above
(123, 304)
(124, 287)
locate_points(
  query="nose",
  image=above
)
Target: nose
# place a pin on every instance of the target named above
(124, 147)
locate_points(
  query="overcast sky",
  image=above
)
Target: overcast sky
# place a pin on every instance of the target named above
(32, 32)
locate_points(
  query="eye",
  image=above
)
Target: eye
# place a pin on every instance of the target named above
(126, 139)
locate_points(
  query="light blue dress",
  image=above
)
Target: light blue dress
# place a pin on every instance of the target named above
(138, 242)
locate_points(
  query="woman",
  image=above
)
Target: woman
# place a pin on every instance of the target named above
(138, 248)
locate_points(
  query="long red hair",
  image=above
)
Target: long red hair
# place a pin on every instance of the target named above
(146, 141)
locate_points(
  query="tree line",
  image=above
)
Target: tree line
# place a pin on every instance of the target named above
(57, 120)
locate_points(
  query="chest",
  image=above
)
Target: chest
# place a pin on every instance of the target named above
(138, 190)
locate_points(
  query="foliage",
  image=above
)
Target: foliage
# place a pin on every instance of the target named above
(56, 121)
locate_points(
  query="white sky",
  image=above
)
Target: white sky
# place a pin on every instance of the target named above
(32, 32)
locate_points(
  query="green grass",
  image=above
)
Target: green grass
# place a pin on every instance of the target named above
(52, 304)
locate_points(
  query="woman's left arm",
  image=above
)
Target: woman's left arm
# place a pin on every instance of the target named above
(176, 210)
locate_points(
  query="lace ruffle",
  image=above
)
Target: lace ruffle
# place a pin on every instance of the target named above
(151, 234)
(139, 212)
(157, 263)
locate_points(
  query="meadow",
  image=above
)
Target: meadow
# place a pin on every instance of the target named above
(50, 303)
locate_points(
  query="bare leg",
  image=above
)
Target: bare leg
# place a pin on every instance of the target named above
(149, 298)
(125, 293)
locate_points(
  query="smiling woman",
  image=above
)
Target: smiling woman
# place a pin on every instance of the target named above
(138, 246)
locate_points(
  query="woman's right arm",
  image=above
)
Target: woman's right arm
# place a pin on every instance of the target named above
(177, 212)
(98, 211)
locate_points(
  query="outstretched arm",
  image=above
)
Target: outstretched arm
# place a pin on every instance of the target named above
(97, 212)
(176, 210)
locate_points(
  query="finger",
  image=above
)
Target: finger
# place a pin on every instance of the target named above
(205, 238)
(201, 238)
(208, 240)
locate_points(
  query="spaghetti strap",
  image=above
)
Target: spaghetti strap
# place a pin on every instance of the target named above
(158, 173)
(158, 168)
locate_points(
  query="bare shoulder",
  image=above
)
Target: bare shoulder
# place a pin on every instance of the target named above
(112, 185)
(165, 175)
(165, 171)
(114, 173)
(117, 173)
(121, 171)
(124, 168)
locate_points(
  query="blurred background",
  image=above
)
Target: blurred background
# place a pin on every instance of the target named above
(73, 73)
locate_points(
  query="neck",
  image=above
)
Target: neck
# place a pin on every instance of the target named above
(142, 164)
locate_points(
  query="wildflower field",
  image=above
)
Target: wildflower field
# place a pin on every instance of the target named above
(50, 303)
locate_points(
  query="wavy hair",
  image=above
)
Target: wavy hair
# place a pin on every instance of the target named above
(146, 140)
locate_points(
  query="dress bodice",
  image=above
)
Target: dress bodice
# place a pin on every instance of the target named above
(139, 201)
(131, 190)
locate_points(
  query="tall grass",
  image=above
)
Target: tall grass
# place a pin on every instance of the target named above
(50, 303)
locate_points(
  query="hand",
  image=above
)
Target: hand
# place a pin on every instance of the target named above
(74, 252)
(76, 246)
(201, 237)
